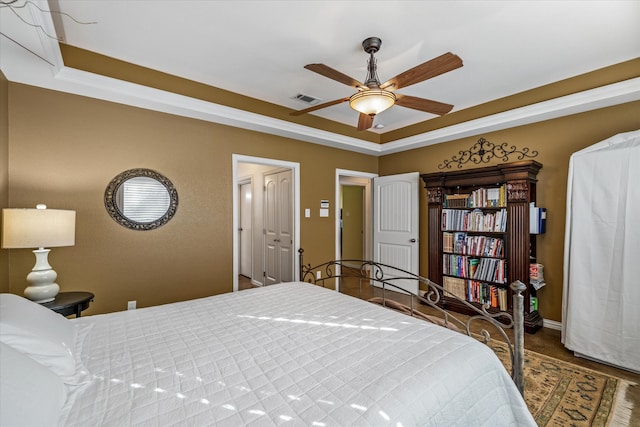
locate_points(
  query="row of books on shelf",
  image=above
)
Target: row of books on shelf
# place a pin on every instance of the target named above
(489, 197)
(474, 220)
(480, 198)
(476, 291)
(465, 244)
(484, 269)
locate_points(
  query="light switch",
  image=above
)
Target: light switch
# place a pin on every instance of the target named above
(307, 213)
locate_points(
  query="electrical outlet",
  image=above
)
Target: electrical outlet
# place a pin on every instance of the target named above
(318, 274)
(131, 305)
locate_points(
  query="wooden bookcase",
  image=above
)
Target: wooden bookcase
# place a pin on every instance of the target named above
(518, 180)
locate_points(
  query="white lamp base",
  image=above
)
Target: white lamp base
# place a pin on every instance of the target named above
(42, 286)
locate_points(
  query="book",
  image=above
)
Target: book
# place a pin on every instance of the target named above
(537, 219)
(447, 242)
(454, 286)
(473, 266)
(459, 243)
(494, 296)
(502, 299)
(456, 200)
(493, 197)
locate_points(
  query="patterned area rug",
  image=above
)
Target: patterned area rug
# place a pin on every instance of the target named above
(559, 393)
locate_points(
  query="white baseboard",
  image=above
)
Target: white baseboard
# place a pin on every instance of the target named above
(552, 324)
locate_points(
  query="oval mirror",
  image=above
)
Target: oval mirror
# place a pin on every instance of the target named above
(141, 199)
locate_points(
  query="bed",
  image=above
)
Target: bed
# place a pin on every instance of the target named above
(288, 354)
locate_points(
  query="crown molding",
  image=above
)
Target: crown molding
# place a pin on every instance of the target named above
(604, 96)
(119, 91)
(106, 88)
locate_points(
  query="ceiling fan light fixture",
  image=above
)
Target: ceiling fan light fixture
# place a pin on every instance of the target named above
(372, 101)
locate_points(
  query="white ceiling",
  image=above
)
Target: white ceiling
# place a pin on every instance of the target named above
(259, 48)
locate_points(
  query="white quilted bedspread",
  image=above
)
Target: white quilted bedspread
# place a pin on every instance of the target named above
(289, 354)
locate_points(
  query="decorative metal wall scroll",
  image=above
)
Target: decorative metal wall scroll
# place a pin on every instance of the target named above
(483, 151)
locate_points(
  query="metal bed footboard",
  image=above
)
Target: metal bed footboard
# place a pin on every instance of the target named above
(389, 278)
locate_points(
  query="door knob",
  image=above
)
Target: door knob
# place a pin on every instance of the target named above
(412, 240)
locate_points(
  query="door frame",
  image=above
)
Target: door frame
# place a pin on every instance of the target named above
(295, 167)
(350, 177)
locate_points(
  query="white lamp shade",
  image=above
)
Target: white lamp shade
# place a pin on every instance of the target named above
(372, 101)
(38, 228)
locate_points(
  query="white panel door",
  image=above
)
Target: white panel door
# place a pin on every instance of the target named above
(285, 226)
(278, 227)
(395, 218)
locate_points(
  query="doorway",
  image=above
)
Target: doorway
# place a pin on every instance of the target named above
(245, 229)
(255, 168)
(354, 180)
(390, 219)
(352, 222)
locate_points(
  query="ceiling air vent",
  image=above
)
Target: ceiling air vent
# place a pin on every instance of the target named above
(307, 99)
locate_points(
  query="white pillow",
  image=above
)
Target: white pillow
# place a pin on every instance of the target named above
(42, 334)
(30, 394)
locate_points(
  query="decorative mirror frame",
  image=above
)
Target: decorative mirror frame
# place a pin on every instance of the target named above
(110, 199)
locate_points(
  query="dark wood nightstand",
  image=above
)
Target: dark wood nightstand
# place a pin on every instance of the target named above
(68, 303)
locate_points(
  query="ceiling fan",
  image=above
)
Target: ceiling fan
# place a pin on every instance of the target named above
(373, 97)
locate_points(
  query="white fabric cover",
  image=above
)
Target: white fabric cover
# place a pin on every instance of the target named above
(32, 395)
(294, 354)
(601, 294)
(38, 332)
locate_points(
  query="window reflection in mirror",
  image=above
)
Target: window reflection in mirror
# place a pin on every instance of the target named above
(141, 199)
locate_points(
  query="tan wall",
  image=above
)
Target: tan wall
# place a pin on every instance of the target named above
(555, 140)
(64, 151)
(4, 174)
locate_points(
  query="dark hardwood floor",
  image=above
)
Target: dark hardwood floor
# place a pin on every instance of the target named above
(244, 283)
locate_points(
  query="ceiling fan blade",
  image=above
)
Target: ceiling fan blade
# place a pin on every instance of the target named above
(365, 121)
(336, 75)
(426, 105)
(318, 107)
(440, 65)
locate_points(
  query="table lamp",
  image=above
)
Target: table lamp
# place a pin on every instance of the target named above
(39, 228)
